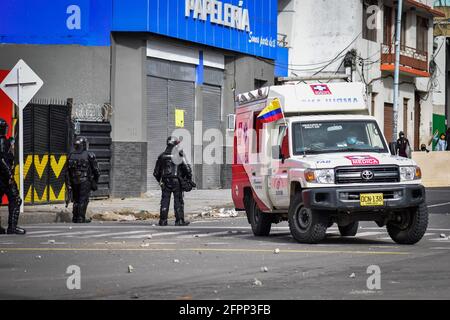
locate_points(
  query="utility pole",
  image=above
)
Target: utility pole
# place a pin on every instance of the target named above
(398, 33)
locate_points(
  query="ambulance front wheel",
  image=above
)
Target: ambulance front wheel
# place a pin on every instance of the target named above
(306, 225)
(261, 222)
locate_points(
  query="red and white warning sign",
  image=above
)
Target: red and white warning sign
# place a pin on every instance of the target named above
(363, 160)
(320, 89)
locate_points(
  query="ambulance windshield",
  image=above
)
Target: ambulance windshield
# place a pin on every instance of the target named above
(337, 136)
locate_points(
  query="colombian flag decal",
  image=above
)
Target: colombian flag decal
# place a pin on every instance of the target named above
(272, 112)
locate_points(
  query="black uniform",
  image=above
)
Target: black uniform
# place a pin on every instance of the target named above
(83, 175)
(170, 170)
(8, 185)
(402, 144)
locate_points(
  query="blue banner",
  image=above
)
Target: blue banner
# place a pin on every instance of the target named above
(247, 26)
(84, 22)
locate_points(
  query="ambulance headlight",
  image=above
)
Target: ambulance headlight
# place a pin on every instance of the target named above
(410, 173)
(324, 176)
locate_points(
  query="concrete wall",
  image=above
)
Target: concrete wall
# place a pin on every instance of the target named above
(128, 83)
(68, 71)
(434, 167)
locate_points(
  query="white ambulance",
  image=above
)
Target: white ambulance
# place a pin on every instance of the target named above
(325, 162)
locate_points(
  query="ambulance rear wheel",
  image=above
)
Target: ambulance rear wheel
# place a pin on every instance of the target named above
(261, 222)
(306, 225)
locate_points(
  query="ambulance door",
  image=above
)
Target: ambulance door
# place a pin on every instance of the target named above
(278, 171)
(250, 147)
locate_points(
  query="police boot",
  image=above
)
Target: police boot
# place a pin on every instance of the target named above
(75, 212)
(12, 223)
(82, 214)
(162, 222)
(181, 222)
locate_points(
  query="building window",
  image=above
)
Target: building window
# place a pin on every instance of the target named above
(387, 26)
(404, 27)
(369, 26)
(422, 34)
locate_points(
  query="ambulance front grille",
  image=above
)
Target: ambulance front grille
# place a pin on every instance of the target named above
(380, 174)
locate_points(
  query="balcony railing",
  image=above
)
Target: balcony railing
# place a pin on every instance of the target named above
(411, 60)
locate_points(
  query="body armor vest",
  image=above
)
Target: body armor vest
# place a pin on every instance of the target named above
(79, 167)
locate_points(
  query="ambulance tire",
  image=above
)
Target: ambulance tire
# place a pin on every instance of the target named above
(349, 230)
(411, 227)
(306, 225)
(261, 222)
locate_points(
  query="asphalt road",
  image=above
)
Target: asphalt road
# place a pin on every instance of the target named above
(220, 259)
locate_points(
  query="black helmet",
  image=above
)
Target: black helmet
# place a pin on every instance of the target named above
(80, 144)
(173, 141)
(3, 127)
(401, 134)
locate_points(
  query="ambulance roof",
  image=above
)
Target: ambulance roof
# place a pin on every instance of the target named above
(331, 117)
(338, 97)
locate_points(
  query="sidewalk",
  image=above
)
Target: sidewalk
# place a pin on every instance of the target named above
(198, 204)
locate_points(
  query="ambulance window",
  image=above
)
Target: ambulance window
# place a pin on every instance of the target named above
(258, 126)
(282, 141)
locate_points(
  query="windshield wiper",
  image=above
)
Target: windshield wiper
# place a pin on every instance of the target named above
(357, 150)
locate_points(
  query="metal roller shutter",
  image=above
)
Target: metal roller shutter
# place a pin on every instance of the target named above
(157, 106)
(182, 96)
(211, 119)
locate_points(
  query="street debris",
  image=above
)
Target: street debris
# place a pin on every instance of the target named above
(276, 251)
(145, 245)
(70, 228)
(124, 214)
(264, 269)
(135, 296)
(353, 275)
(257, 283)
(51, 241)
(130, 268)
(149, 236)
(38, 257)
(216, 213)
(442, 235)
(216, 292)
(176, 261)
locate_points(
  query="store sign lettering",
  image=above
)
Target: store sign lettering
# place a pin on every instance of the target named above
(220, 13)
(73, 21)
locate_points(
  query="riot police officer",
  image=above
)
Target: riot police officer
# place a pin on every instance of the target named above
(170, 171)
(8, 185)
(82, 177)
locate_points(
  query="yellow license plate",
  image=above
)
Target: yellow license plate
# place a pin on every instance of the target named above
(371, 199)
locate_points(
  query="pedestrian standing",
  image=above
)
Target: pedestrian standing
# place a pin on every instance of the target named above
(402, 145)
(441, 144)
(171, 172)
(448, 139)
(82, 178)
(8, 185)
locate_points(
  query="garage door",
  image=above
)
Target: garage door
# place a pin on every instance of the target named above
(157, 105)
(211, 120)
(163, 98)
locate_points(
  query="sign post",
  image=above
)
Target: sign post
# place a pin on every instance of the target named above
(20, 85)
